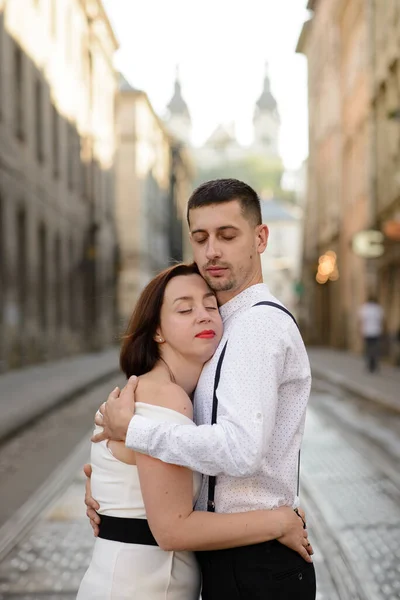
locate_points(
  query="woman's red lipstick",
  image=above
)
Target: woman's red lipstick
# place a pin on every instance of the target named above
(207, 334)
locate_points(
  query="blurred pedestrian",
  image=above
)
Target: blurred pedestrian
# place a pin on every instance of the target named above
(249, 403)
(371, 317)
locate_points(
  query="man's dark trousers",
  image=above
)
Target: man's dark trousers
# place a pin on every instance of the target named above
(268, 571)
(372, 352)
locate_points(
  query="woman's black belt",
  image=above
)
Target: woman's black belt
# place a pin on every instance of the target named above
(129, 531)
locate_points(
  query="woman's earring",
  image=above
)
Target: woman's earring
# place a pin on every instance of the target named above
(160, 339)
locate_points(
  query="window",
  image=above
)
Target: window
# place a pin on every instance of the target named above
(70, 156)
(1, 62)
(21, 266)
(53, 17)
(3, 267)
(68, 34)
(58, 295)
(90, 76)
(39, 120)
(85, 176)
(109, 192)
(18, 93)
(74, 174)
(42, 278)
(77, 159)
(72, 286)
(55, 123)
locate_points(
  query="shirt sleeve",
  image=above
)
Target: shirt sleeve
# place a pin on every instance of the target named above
(247, 402)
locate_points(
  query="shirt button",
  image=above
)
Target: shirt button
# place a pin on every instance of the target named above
(300, 576)
(259, 416)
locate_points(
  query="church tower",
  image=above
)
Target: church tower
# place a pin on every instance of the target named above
(266, 121)
(178, 118)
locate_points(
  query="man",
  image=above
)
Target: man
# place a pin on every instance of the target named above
(262, 395)
(371, 322)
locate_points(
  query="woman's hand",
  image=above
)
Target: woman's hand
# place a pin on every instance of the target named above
(294, 534)
(92, 505)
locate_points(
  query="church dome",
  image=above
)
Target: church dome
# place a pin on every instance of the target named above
(177, 105)
(266, 101)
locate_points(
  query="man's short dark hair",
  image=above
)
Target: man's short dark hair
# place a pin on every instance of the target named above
(227, 190)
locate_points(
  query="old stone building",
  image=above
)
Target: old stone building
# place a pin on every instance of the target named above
(57, 146)
(353, 52)
(384, 28)
(319, 40)
(153, 183)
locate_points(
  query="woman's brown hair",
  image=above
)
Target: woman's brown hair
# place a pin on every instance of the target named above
(139, 351)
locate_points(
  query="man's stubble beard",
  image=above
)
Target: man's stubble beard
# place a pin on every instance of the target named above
(220, 286)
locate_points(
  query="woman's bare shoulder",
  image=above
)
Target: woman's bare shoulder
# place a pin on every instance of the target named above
(168, 395)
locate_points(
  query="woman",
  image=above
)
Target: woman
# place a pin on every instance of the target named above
(174, 330)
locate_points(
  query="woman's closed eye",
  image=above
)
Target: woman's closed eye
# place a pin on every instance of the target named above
(189, 310)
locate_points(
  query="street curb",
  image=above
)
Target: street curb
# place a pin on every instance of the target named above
(11, 425)
(367, 392)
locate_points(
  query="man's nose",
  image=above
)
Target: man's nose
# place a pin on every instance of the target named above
(212, 250)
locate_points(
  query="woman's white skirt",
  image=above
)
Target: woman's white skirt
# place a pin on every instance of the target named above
(120, 571)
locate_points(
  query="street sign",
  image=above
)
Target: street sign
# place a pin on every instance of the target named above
(368, 243)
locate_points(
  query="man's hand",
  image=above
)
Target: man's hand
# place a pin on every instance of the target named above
(294, 534)
(115, 414)
(92, 505)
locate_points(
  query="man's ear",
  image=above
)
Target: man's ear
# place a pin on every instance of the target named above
(263, 234)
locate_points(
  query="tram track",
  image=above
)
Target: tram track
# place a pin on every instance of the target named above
(38, 462)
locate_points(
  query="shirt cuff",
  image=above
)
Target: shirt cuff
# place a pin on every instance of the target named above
(137, 436)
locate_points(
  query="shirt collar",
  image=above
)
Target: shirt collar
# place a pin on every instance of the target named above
(245, 299)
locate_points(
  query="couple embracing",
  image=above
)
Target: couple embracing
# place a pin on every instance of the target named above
(193, 483)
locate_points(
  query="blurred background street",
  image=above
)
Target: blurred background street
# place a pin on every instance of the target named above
(110, 114)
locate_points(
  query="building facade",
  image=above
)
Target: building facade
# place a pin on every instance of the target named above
(384, 28)
(57, 146)
(353, 53)
(153, 184)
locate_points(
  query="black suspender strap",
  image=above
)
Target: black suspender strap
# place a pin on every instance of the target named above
(212, 479)
(285, 310)
(275, 305)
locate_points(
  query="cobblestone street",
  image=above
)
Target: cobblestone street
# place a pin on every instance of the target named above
(350, 490)
(353, 497)
(50, 562)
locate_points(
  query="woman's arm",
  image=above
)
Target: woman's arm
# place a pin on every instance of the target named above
(168, 496)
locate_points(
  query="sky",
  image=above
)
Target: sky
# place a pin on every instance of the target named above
(220, 48)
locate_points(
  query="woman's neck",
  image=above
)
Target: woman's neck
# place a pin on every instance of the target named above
(183, 372)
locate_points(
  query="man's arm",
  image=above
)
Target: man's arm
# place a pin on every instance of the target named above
(247, 402)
